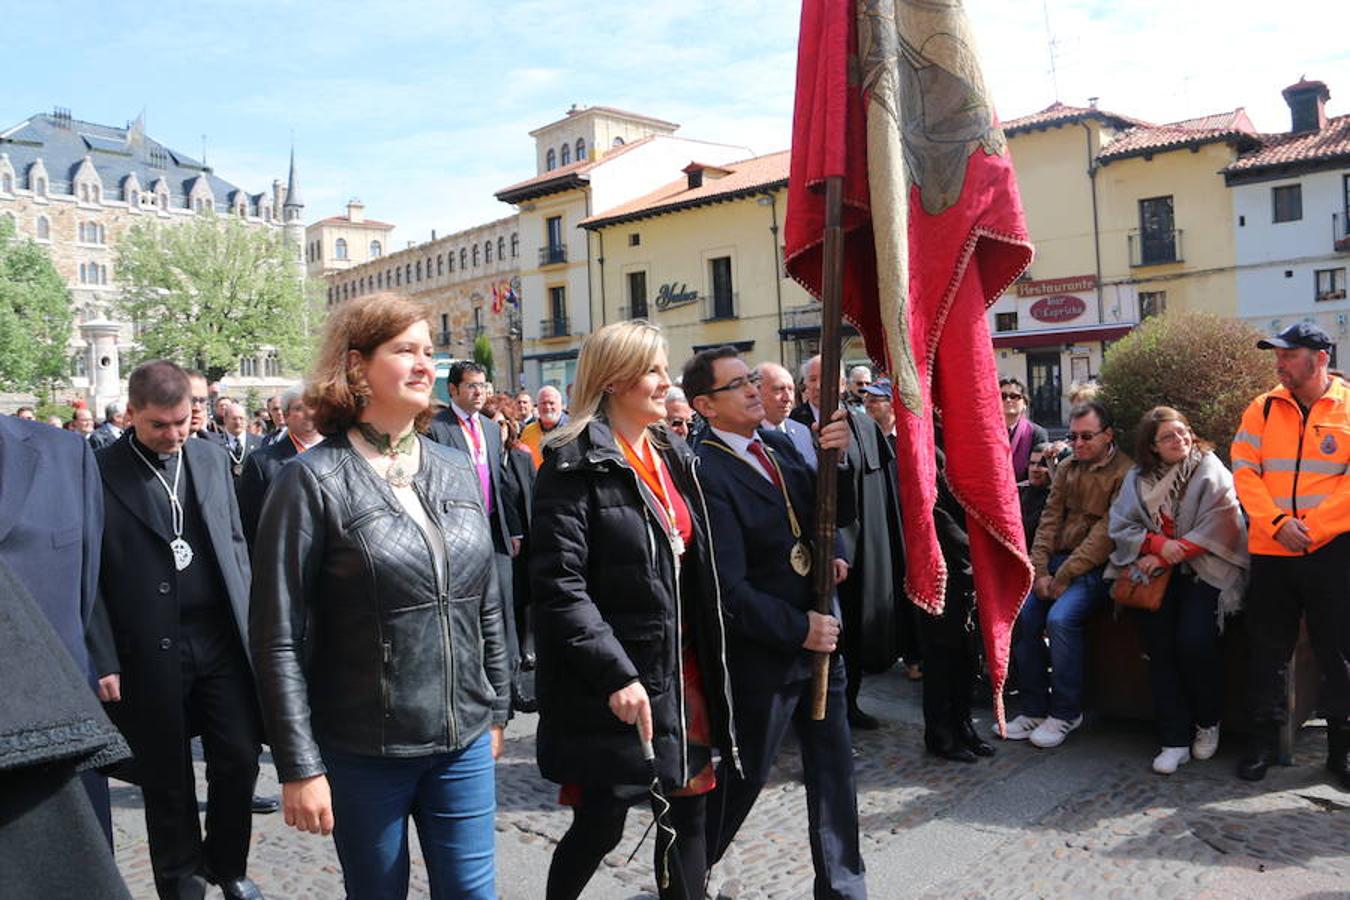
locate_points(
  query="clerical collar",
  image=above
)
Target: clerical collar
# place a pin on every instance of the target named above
(155, 459)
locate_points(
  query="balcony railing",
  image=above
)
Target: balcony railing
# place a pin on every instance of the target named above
(553, 328)
(553, 255)
(1340, 232)
(721, 306)
(1155, 248)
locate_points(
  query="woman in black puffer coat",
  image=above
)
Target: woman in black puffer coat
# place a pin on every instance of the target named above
(628, 626)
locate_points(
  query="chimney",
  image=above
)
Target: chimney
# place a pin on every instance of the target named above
(1307, 105)
(1092, 102)
(356, 211)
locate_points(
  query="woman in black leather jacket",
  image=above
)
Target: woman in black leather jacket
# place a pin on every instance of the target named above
(376, 623)
(628, 626)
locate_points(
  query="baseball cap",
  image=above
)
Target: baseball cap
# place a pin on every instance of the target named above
(1300, 334)
(880, 388)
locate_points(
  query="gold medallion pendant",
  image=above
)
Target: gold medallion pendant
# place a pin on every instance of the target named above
(800, 558)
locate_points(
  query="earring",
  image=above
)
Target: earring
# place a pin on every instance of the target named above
(610, 389)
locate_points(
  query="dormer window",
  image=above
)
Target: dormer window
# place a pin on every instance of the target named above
(44, 229)
(84, 193)
(94, 193)
(40, 187)
(7, 183)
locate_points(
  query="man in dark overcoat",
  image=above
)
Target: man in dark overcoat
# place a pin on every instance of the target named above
(174, 582)
(464, 427)
(51, 528)
(261, 467)
(872, 545)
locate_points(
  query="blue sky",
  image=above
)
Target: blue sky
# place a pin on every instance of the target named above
(422, 109)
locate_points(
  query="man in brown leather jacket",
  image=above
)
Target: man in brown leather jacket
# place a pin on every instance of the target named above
(1071, 548)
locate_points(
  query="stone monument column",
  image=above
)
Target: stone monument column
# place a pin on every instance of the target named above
(105, 377)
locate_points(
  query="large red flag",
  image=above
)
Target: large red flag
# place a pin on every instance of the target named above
(890, 97)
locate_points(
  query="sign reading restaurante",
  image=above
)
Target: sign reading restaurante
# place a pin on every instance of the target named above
(1056, 286)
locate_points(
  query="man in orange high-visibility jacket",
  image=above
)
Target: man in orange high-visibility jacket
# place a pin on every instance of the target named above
(1291, 463)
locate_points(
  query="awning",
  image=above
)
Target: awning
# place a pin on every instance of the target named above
(1021, 340)
(551, 356)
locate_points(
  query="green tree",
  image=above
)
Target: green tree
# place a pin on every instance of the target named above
(482, 353)
(35, 316)
(1204, 366)
(211, 290)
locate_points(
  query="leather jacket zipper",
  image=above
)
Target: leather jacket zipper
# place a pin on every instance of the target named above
(443, 615)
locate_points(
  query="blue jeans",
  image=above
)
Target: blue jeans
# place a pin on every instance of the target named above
(1058, 692)
(451, 796)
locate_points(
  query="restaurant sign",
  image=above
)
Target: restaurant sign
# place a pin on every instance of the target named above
(1056, 286)
(672, 295)
(1059, 308)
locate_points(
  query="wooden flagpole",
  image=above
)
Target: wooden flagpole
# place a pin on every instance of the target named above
(827, 472)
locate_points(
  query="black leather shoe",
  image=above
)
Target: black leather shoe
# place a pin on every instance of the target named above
(972, 741)
(241, 889)
(861, 721)
(1338, 751)
(1261, 755)
(948, 749)
(262, 806)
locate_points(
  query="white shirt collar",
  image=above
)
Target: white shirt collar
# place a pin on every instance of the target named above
(462, 414)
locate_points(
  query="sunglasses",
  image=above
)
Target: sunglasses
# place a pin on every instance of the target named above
(1074, 437)
(1012, 396)
(677, 423)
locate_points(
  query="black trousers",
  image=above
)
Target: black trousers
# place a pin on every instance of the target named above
(1282, 590)
(763, 717)
(220, 703)
(851, 645)
(950, 665)
(597, 828)
(1185, 667)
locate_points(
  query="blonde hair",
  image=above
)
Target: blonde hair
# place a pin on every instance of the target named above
(615, 356)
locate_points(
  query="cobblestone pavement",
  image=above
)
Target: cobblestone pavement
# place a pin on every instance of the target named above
(1086, 820)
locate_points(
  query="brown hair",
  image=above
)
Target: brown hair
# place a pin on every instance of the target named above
(158, 382)
(1144, 454)
(337, 388)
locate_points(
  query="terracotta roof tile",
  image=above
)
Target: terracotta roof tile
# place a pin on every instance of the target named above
(1147, 139)
(1062, 114)
(1331, 142)
(745, 176)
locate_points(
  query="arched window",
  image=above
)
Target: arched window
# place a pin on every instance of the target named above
(44, 229)
(550, 160)
(428, 268)
(501, 249)
(84, 193)
(376, 251)
(463, 258)
(163, 198)
(440, 264)
(93, 192)
(566, 154)
(133, 199)
(581, 149)
(618, 142)
(450, 261)
(407, 273)
(475, 256)
(84, 273)
(7, 183)
(379, 281)
(419, 270)
(398, 277)
(340, 249)
(40, 187)
(515, 245)
(487, 251)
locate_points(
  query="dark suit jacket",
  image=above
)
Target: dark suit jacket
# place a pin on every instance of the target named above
(102, 436)
(137, 582)
(51, 526)
(250, 488)
(446, 429)
(764, 600)
(252, 444)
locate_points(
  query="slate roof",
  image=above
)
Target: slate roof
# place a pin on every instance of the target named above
(744, 178)
(1145, 140)
(63, 143)
(1327, 145)
(1057, 114)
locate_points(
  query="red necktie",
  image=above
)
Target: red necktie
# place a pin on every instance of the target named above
(757, 451)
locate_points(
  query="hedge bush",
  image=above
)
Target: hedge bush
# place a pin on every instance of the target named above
(1206, 366)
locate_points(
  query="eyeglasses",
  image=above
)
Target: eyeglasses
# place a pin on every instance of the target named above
(736, 384)
(1012, 396)
(473, 386)
(199, 401)
(1075, 436)
(677, 423)
(1175, 437)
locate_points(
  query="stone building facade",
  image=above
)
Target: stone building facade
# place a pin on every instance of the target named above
(76, 187)
(470, 282)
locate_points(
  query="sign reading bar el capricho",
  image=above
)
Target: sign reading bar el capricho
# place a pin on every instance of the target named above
(1056, 286)
(672, 295)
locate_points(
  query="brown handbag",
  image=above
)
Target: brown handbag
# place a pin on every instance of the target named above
(1140, 591)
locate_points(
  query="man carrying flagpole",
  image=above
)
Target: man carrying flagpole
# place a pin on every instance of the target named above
(933, 233)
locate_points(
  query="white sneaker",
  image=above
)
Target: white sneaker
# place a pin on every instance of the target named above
(1206, 742)
(1020, 728)
(1170, 759)
(1052, 732)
